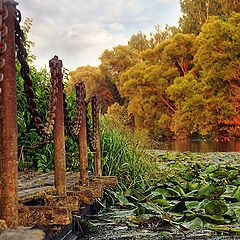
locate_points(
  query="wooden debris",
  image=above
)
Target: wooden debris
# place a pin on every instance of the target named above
(72, 202)
(84, 193)
(104, 181)
(44, 215)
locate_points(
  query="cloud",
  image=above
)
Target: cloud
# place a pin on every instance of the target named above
(81, 30)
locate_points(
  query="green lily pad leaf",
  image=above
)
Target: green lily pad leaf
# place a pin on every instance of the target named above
(210, 191)
(161, 202)
(180, 190)
(191, 186)
(236, 193)
(206, 190)
(122, 201)
(173, 192)
(233, 175)
(202, 204)
(214, 219)
(220, 174)
(212, 168)
(164, 192)
(192, 205)
(152, 196)
(196, 223)
(150, 207)
(236, 182)
(237, 213)
(216, 207)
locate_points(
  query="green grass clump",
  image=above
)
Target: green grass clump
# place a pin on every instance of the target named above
(124, 156)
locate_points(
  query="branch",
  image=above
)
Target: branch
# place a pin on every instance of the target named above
(174, 110)
(34, 145)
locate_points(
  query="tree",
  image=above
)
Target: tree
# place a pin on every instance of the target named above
(139, 42)
(94, 82)
(205, 98)
(180, 51)
(217, 59)
(116, 61)
(144, 86)
(162, 34)
(196, 13)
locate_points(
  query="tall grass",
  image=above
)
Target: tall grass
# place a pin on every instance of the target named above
(124, 155)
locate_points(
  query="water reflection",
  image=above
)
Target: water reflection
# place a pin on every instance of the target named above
(202, 146)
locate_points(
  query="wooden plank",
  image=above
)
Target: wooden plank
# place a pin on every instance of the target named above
(37, 185)
(44, 215)
(72, 202)
(104, 181)
(35, 193)
(85, 195)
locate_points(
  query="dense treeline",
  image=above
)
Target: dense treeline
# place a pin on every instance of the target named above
(179, 83)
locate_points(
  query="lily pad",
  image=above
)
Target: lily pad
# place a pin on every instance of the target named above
(216, 207)
(196, 223)
(236, 193)
(237, 213)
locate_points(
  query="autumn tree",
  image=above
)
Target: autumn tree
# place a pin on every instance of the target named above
(94, 81)
(139, 42)
(196, 13)
(217, 58)
(162, 33)
(206, 98)
(144, 85)
(117, 60)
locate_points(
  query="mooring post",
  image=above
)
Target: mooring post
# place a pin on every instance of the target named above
(96, 135)
(82, 135)
(132, 123)
(8, 115)
(58, 132)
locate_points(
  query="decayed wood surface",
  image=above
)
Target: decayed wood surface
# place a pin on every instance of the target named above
(33, 185)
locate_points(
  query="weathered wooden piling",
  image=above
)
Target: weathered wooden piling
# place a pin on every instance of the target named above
(82, 135)
(58, 132)
(96, 136)
(8, 134)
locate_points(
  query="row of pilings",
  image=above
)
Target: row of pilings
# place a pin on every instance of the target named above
(9, 207)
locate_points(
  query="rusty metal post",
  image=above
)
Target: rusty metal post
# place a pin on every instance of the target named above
(96, 134)
(8, 171)
(132, 123)
(58, 132)
(82, 136)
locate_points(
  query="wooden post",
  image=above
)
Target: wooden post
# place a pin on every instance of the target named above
(96, 133)
(82, 135)
(8, 134)
(59, 137)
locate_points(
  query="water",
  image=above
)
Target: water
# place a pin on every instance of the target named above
(202, 146)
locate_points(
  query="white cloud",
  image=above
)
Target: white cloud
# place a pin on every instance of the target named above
(79, 31)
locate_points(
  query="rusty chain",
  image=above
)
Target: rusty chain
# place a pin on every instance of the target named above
(3, 48)
(55, 65)
(75, 125)
(89, 128)
(92, 133)
(95, 103)
(3, 45)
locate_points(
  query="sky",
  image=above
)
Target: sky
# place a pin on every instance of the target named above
(79, 31)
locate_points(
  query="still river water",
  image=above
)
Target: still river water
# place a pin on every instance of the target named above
(202, 146)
